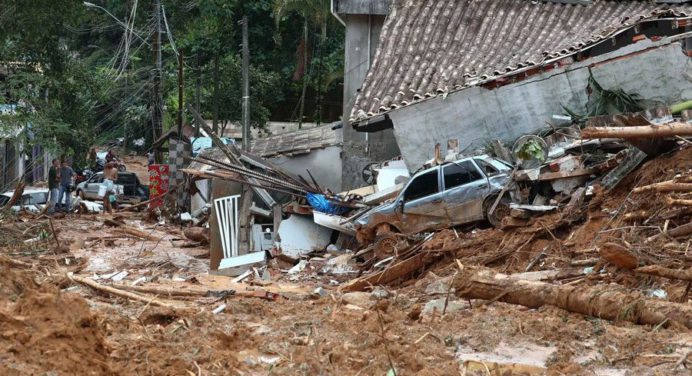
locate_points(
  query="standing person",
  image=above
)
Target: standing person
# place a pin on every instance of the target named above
(66, 174)
(53, 183)
(110, 175)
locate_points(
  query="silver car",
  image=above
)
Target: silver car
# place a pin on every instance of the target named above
(448, 195)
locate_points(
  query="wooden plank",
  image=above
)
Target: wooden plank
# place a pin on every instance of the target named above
(566, 174)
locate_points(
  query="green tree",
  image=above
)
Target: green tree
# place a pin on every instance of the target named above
(315, 13)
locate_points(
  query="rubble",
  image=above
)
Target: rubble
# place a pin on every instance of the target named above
(572, 258)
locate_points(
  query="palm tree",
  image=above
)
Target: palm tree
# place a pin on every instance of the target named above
(317, 13)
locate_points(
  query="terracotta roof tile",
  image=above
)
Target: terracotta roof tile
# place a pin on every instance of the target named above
(432, 47)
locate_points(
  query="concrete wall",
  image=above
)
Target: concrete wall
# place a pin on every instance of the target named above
(380, 7)
(324, 165)
(476, 115)
(361, 149)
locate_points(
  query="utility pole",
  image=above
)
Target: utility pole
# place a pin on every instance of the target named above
(246, 88)
(181, 86)
(198, 90)
(157, 108)
(247, 220)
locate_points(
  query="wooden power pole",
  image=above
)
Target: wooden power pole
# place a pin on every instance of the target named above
(157, 108)
(246, 88)
(181, 87)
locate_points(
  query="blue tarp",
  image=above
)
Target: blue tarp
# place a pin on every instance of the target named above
(321, 204)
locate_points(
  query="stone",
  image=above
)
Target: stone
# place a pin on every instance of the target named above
(439, 304)
(380, 293)
(358, 298)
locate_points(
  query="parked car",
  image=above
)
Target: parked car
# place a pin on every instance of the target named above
(34, 200)
(447, 195)
(128, 188)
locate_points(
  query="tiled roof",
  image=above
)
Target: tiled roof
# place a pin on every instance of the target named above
(432, 47)
(298, 142)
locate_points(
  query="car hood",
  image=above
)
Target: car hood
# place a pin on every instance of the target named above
(386, 208)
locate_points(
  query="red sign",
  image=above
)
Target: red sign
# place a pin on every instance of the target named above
(159, 175)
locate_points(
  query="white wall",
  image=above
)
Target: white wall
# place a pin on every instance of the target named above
(477, 115)
(324, 164)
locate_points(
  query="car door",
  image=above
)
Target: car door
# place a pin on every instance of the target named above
(38, 201)
(465, 189)
(423, 206)
(91, 190)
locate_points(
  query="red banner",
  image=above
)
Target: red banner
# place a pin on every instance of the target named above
(159, 175)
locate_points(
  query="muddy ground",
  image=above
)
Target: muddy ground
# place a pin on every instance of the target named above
(417, 326)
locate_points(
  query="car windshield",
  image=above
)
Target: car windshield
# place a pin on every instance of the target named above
(3, 200)
(493, 166)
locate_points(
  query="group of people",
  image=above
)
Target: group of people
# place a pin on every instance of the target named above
(60, 184)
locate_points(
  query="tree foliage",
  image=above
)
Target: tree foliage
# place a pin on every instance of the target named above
(79, 77)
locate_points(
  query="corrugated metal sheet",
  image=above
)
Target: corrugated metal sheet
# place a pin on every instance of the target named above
(431, 47)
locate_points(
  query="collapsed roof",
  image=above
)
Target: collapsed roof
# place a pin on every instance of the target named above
(433, 47)
(294, 143)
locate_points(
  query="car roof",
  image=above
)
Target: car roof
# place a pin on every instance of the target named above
(449, 162)
(119, 173)
(27, 190)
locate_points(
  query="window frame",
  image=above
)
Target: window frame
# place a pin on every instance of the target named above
(439, 186)
(458, 163)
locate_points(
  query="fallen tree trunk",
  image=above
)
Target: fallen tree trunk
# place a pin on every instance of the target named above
(678, 202)
(116, 292)
(604, 301)
(660, 271)
(138, 233)
(665, 186)
(162, 291)
(15, 263)
(642, 131)
(16, 195)
(677, 232)
(394, 272)
(129, 230)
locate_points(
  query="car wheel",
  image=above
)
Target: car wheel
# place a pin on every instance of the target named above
(501, 211)
(389, 245)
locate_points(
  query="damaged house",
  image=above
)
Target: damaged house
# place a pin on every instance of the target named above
(474, 71)
(262, 217)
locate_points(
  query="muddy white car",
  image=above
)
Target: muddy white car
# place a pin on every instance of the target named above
(447, 195)
(34, 200)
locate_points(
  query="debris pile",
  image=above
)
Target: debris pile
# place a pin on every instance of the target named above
(585, 267)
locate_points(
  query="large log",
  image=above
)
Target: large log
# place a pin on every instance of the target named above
(394, 272)
(116, 292)
(665, 186)
(660, 271)
(603, 301)
(678, 232)
(678, 202)
(642, 131)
